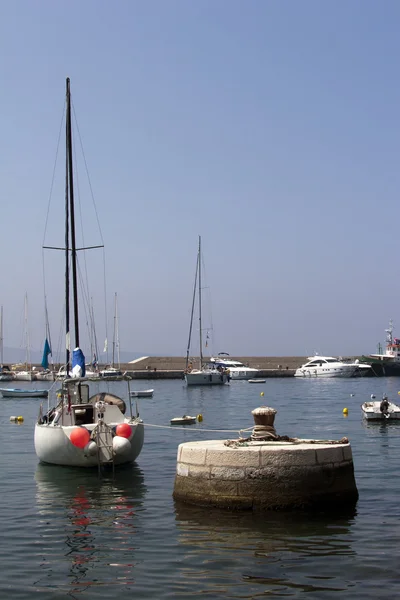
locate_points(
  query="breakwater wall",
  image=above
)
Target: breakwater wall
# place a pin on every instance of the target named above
(172, 367)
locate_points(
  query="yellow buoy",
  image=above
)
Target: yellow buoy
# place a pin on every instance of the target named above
(262, 394)
(199, 418)
(345, 411)
(20, 419)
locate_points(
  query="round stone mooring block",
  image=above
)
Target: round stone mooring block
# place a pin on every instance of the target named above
(266, 475)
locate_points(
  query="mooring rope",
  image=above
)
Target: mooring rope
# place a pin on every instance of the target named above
(197, 430)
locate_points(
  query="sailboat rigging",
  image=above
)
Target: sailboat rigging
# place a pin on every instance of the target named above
(5, 373)
(206, 374)
(112, 371)
(81, 429)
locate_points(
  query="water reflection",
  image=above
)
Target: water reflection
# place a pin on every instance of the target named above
(267, 552)
(89, 524)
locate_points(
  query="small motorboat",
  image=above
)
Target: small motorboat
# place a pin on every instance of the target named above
(142, 393)
(380, 410)
(19, 393)
(256, 380)
(185, 420)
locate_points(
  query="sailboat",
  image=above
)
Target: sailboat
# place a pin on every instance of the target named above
(206, 374)
(47, 374)
(5, 373)
(26, 374)
(112, 371)
(83, 429)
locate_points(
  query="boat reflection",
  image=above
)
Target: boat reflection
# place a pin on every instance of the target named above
(89, 523)
(276, 552)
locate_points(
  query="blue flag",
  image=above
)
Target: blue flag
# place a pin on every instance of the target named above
(46, 352)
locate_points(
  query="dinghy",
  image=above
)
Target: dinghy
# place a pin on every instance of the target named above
(142, 393)
(380, 410)
(185, 420)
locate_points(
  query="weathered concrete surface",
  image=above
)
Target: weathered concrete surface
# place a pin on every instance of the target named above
(265, 475)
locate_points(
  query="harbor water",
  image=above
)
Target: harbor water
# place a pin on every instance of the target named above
(68, 533)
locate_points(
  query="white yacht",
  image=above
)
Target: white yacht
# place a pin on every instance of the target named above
(237, 370)
(329, 366)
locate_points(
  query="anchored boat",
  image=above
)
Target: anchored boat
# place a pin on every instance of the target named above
(83, 429)
(20, 393)
(206, 374)
(142, 393)
(380, 410)
(329, 366)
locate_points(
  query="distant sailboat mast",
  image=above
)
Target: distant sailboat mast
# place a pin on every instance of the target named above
(115, 349)
(201, 331)
(192, 312)
(1, 337)
(27, 341)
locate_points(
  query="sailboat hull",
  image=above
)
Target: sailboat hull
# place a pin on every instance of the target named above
(53, 446)
(206, 378)
(24, 376)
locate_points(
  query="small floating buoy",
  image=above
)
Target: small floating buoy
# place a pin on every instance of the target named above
(372, 396)
(345, 411)
(351, 395)
(200, 418)
(19, 419)
(262, 394)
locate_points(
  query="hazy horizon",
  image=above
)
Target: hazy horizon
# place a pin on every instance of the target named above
(269, 128)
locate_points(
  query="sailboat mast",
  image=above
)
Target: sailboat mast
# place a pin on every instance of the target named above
(67, 310)
(115, 320)
(192, 312)
(1, 336)
(72, 213)
(201, 332)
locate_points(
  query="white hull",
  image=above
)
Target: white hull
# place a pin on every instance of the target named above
(24, 376)
(53, 446)
(238, 373)
(344, 371)
(372, 411)
(142, 393)
(206, 377)
(44, 376)
(110, 373)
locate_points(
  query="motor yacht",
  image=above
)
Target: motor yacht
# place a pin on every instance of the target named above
(237, 370)
(329, 366)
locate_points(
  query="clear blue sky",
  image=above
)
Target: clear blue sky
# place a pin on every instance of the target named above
(271, 128)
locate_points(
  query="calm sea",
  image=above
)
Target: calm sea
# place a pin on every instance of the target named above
(67, 533)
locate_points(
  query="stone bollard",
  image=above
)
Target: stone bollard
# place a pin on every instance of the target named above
(266, 471)
(264, 415)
